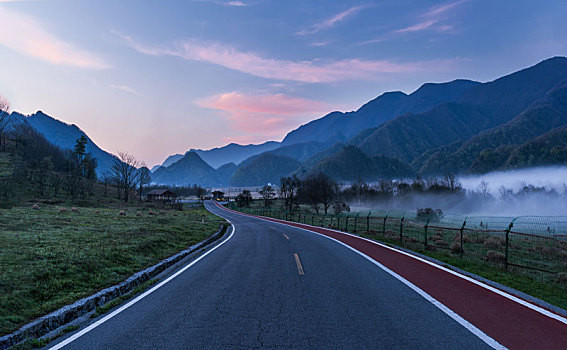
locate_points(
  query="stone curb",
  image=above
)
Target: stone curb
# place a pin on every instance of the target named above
(66, 314)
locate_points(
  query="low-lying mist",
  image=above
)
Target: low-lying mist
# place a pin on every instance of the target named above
(550, 178)
(535, 191)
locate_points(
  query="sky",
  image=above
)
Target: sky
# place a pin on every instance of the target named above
(155, 78)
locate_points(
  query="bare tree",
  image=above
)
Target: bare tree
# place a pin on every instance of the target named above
(319, 189)
(267, 192)
(289, 187)
(4, 119)
(327, 190)
(200, 192)
(385, 189)
(484, 189)
(452, 183)
(56, 182)
(45, 166)
(125, 172)
(107, 180)
(244, 198)
(144, 178)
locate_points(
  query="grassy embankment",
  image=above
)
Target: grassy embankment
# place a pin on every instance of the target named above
(50, 257)
(548, 287)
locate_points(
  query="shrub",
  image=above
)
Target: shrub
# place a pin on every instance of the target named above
(562, 278)
(441, 243)
(339, 207)
(456, 247)
(429, 214)
(495, 257)
(494, 243)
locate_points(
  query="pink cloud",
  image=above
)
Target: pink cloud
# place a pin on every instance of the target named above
(442, 9)
(431, 19)
(264, 116)
(236, 3)
(417, 27)
(328, 23)
(27, 36)
(124, 88)
(307, 71)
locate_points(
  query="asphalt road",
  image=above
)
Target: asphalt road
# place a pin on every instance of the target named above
(275, 286)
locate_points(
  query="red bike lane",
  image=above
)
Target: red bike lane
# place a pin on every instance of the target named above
(513, 322)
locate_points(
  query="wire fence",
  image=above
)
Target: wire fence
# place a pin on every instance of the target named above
(534, 245)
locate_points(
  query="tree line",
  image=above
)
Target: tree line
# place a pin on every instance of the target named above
(323, 194)
(320, 192)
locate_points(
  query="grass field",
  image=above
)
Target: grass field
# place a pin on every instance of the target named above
(52, 257)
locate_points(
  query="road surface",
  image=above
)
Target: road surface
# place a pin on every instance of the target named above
(270, 285)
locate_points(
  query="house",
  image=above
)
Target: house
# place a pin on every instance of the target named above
(161, 195)
(218, 195)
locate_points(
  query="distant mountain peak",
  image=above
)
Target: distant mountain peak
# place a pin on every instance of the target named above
(233, 152)
(430, 87)
(394, 93)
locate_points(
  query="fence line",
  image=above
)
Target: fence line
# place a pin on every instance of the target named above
(535, 245)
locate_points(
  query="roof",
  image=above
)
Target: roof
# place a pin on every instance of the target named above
(160, 192)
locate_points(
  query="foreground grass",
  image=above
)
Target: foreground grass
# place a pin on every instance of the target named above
(50, 258)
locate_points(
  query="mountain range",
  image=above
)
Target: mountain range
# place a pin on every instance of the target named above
(338, 126)
(462, 126)
(233, 153)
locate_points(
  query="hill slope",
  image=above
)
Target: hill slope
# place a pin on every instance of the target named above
(351, 164)
(490, 149)
(262, 169)
(64, 136)
(484, 107)
(549, 148)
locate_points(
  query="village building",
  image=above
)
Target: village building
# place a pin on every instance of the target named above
(161, 195)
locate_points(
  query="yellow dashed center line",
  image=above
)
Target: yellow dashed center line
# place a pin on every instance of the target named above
(298, 263)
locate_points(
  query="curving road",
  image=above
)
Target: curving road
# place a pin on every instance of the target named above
(270, 285)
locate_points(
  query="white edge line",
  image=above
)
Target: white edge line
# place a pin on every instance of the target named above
(455, 273)
(140, 297)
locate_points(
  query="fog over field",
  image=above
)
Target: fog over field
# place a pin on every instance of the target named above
(534, 191)
(511, 193)
(550, 178)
